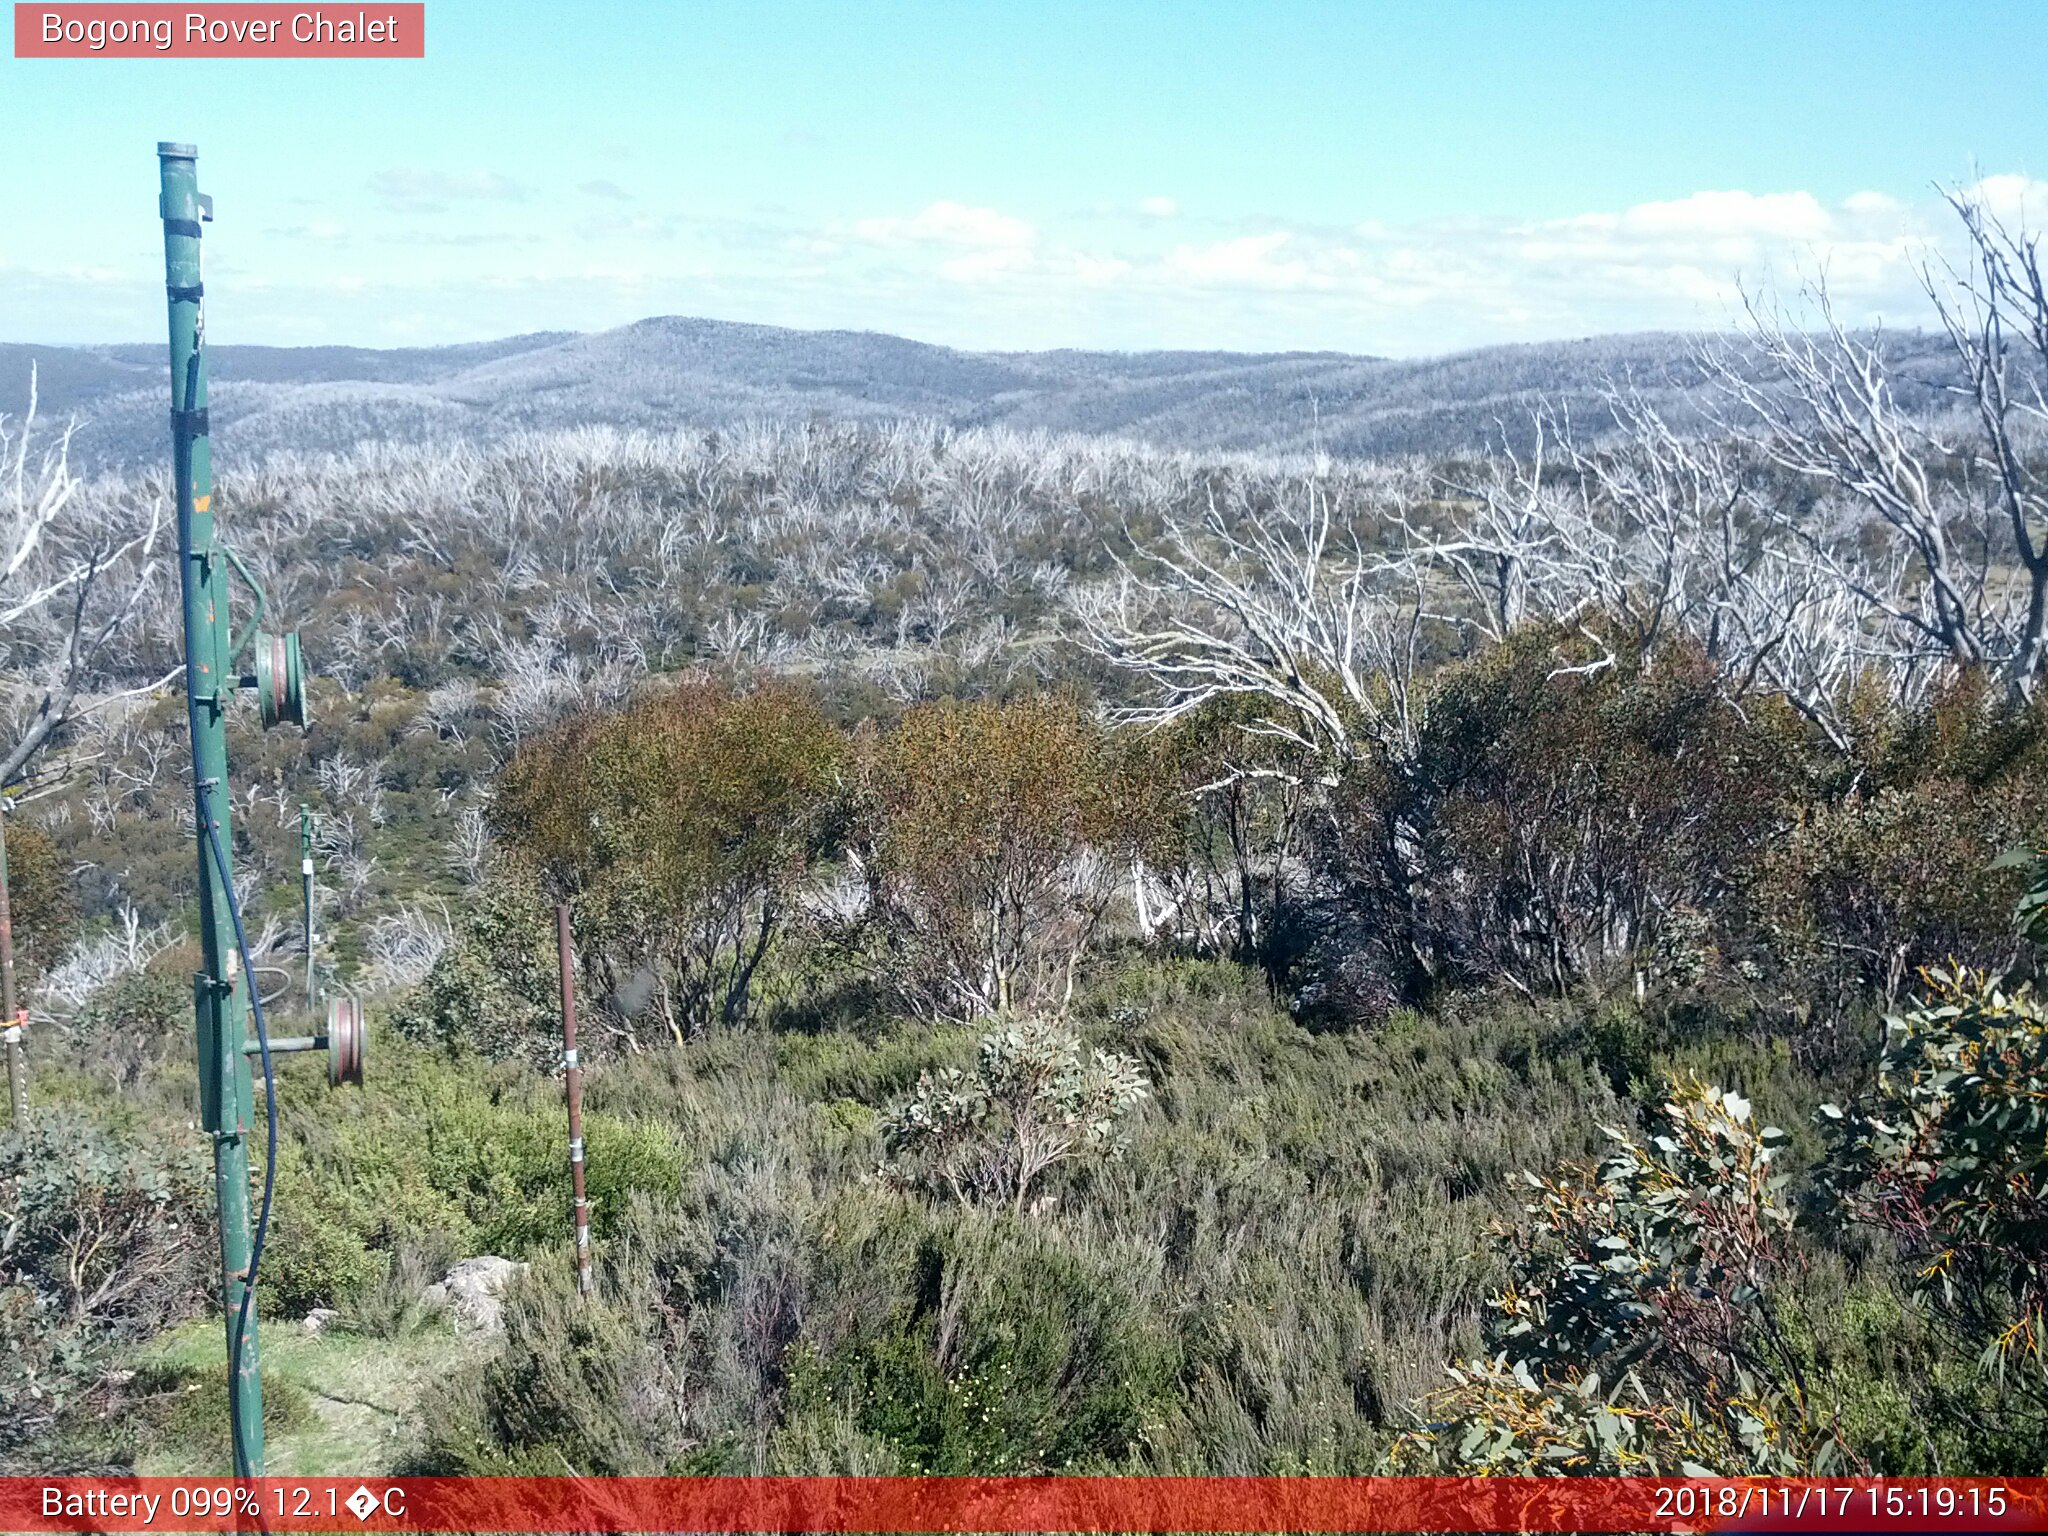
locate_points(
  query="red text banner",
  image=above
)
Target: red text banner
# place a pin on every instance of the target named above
(934, 1504)
(235, 31)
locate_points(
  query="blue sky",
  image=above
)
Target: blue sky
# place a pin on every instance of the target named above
(1403, 178)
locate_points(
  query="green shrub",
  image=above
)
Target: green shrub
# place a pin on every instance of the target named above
(100, 1226)
(512, 1174)
(1562, 806)
(1623, 1042)
(683, 830)
(314, 1256)
(450, 1156)
(102, 1246)
(394, 1305)
(1030, 1103)
(1866, 893)
(180, 1413)
(1008, 1354)
(1218, 819)
(1948, 1152)
(495, 990)
(138, 1027)
(40, 897)
(1637, 1333)
(674, 1365)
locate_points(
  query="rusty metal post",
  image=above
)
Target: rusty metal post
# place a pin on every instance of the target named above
(306, 896)
(11, 1018)
(572, 1073)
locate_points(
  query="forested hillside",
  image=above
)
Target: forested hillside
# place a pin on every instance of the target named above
(1092, 958)
(672, 371)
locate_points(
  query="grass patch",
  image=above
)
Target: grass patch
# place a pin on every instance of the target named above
(334, 1405)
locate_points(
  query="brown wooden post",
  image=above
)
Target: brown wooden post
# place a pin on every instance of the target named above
(572, 1072)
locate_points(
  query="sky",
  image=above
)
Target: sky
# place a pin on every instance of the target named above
(1382, 176)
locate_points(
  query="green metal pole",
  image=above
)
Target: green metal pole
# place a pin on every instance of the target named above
(220, 1001)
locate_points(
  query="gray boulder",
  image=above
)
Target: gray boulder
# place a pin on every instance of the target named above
(472, 1293)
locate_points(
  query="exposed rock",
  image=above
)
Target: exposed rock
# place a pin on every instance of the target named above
(472, 1293)
(319, 1320)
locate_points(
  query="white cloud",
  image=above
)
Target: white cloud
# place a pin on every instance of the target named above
(1098, 271)
(637, 226)
(2012, 199)
(986, 262)
(975, 275)
(1016, 262)
(1420, 287)
(1159, 208)
(1251, 261)
(420, 191)
(1721, 215)
(949, 223)
(326, 231)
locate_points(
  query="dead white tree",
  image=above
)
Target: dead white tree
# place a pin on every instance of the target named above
(1941, 523)
(1649, 519)
(1707, 550)
(1644, 533)
(401, 946)
(1624, 527)
(1277, 601)
(1996, 314)
(95, 963)
(74, 565)
(1498, 535)
(1280, 606)
(469, 846)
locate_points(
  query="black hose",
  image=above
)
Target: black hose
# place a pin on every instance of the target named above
(182, 465)
(227, 881)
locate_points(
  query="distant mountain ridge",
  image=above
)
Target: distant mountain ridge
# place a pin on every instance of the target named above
(674, 371)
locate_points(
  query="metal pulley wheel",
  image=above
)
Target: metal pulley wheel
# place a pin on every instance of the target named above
(280, 679)
(345, 1042)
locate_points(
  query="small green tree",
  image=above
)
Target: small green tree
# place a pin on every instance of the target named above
(545, 805)
(2030, 912)
(1031, 1102)
(44, 908)
(494, 989)
(1227, 821)
(994, 838)
(682, 832)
